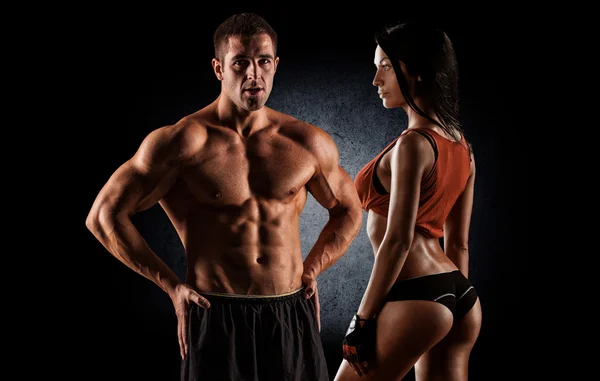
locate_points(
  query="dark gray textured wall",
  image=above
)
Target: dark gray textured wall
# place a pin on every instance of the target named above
(342, 101)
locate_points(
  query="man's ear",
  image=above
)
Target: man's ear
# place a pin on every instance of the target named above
(276, 63)
(218, 68)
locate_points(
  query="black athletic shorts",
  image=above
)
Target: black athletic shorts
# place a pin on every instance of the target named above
(254, 338)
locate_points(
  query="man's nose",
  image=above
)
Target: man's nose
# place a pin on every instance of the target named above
(254, 71)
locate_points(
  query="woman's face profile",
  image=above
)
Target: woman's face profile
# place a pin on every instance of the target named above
(386, 82)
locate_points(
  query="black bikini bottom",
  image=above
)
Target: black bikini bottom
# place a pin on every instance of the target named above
(451, 289)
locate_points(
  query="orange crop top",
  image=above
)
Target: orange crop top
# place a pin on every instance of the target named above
(440, 188)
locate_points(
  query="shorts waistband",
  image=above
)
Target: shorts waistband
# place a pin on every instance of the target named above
(225, 297)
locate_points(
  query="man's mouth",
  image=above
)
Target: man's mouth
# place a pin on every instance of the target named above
(253, 90)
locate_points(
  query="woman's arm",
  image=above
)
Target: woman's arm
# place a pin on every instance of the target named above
(412, 157)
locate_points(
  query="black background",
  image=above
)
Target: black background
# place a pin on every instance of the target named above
(132, 70)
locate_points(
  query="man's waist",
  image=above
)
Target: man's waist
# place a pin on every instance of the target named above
(252, 296)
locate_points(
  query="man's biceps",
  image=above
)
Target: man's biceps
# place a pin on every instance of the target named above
(324, 196)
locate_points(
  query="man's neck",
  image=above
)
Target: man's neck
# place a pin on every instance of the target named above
(242, 121)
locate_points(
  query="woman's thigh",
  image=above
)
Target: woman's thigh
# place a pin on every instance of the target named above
(405, 330)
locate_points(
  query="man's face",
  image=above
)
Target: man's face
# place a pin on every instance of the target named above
(247, 71)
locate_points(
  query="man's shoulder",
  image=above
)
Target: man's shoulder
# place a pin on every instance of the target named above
(185, 135)
(189, 126)
(300, 130)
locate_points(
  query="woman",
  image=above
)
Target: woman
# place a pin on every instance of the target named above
(419, 308)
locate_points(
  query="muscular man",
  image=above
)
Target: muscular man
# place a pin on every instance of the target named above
(233, 179)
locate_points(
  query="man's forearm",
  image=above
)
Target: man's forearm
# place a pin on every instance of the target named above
(120, 237)
(333, 242)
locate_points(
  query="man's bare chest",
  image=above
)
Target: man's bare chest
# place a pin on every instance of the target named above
(275, 169)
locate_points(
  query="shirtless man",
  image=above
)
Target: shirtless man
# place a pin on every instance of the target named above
(233, 179)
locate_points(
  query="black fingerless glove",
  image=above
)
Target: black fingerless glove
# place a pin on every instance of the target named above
(359, 343)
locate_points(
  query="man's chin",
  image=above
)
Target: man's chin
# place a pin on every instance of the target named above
(254, 106)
